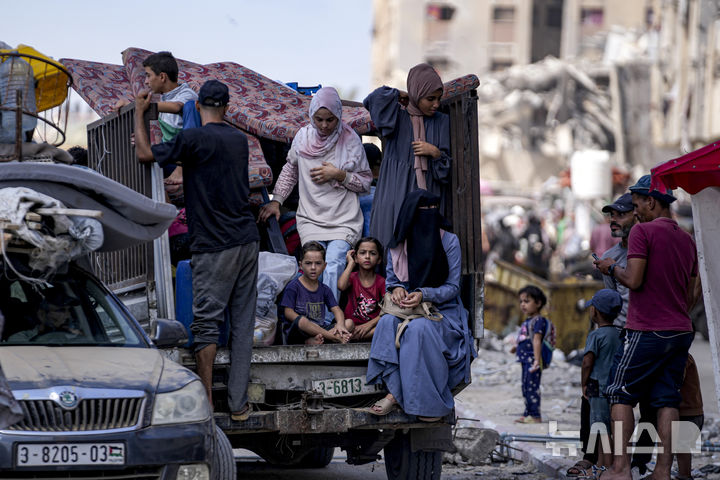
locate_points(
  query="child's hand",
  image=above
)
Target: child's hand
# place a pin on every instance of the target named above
(362, 330)
(350, 257)
(427, 149)
(513, 349)
(584, 392)
(142, 101)
(327, 172)
(535, 366)
(343, 333)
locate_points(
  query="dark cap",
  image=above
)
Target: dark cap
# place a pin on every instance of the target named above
(606, 301)
(642, 187)
(213, 93)
(622, 204)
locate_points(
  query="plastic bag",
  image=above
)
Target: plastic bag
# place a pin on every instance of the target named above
(275, 270)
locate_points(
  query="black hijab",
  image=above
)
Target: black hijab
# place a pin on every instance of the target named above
(420, 227)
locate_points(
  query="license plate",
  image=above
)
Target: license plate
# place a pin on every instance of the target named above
(44, 454)
(343, 387)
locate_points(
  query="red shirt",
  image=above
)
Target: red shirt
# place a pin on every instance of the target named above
(364, 303)
(661, 301)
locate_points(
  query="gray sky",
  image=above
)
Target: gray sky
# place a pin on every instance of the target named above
(311, 42)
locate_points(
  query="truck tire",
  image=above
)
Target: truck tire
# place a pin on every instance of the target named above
(319, 457)
(401, 463)
(222, 465)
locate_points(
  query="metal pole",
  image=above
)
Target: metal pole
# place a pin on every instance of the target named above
(18, 123)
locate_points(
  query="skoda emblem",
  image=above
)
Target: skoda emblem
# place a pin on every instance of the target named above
(68, 399)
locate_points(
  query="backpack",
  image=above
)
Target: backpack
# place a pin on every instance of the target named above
(548, 343)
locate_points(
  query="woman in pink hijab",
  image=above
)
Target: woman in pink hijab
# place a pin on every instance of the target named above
(327, 161)
(417, 146)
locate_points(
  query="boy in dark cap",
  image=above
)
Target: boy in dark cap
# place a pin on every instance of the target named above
(600, 348)
(661, 273)
(224, 237)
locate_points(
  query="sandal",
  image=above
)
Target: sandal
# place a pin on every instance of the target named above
(242, 415)
(386, 406)
(580, 469)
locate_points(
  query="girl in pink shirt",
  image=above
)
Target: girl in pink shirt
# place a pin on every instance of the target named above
(365, 287)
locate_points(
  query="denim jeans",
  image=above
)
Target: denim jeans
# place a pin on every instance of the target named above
(335, 251)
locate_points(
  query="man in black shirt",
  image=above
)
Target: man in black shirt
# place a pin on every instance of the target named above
(223, 234)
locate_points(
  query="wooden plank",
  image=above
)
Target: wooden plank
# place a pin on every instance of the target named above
(72, 212)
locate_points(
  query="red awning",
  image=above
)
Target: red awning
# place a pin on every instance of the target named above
(692, 172)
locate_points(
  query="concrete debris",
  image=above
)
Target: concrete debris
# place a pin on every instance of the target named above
(475, 444)
(535, 104)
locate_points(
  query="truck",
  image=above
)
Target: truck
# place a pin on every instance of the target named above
(307, 400)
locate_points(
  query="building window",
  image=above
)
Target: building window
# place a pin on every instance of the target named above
(436, 11)
(503, 26)
(591, 20)
(553, 17)
(500, 65)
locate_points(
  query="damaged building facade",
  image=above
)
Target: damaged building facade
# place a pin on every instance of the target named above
(639, 80)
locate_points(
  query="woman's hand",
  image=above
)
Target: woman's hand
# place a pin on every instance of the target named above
(412, 300)
(398, 295)
(426, 149)
(403, 98)
(327, 172)
(268, 210)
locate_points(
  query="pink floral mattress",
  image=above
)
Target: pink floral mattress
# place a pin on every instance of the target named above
(259, 106)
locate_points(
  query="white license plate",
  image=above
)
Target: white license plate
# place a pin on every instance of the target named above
(343, 387)
(43, 454)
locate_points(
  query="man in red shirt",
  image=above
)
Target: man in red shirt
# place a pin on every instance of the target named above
(661, 271)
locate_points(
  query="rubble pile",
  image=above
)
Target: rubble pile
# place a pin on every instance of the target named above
(552, 106)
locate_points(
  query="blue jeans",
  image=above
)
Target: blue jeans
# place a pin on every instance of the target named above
(335, 251)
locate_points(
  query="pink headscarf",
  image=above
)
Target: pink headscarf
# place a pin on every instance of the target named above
(310, 143)
(422, 80)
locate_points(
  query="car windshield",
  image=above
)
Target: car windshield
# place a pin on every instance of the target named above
(71, 310)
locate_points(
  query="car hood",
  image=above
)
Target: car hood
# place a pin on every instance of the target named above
(32, 367)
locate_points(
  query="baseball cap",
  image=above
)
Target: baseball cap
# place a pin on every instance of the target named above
(642, 187)
(213, 93)
(622, 204)
(606, 301)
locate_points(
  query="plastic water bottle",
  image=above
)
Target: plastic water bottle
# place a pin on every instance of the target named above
(16, 74)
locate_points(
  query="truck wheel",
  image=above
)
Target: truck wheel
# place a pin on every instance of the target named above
(222, 465)
(317, 458)
(401, 463)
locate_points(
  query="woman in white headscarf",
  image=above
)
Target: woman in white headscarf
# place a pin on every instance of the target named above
(328, 162)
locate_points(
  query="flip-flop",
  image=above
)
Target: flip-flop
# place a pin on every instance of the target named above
(242, 415)
(386, 406)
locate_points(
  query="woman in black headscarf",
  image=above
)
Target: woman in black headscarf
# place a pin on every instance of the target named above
(423, 266)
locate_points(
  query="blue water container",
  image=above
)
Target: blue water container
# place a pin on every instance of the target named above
(184, 301)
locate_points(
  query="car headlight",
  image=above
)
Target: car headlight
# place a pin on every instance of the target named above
(188, 404)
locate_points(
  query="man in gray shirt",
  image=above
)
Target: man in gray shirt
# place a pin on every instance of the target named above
(621, 221)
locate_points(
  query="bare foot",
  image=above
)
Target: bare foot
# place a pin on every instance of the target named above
(611, 475)
(384, 406)
(316, 340)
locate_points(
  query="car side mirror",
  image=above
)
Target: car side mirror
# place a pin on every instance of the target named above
(167, 333)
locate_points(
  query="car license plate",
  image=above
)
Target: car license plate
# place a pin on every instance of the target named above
(43, 454)
(343, 387)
